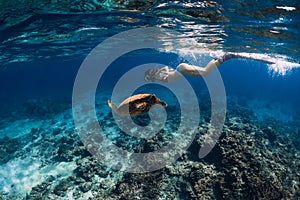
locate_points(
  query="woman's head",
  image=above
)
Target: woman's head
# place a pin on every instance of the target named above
(149, 75)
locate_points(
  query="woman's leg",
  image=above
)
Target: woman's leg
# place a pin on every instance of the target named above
(228, 56)
(192, 70)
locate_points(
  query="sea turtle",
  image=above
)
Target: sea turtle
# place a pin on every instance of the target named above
(136, 105)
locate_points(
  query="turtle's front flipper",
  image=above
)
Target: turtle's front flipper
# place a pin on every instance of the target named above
(112, 106)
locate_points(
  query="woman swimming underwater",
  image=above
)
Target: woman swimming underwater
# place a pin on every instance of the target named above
(167, 74)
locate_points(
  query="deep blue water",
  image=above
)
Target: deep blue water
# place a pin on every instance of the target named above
(54, 79)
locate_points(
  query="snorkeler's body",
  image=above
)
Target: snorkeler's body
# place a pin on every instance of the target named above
(167, 74)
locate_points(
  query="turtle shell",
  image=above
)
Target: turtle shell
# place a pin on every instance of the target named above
(139, 104)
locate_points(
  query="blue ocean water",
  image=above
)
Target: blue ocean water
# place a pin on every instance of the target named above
(44, 46)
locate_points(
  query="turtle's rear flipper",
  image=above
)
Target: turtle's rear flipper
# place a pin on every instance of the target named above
(112, 106)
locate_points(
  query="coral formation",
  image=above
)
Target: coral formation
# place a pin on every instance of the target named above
(252, 160)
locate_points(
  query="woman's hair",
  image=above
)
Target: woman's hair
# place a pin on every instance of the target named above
(150, 75)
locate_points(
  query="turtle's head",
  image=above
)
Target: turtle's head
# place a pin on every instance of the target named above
(163, 103)
(160, 102)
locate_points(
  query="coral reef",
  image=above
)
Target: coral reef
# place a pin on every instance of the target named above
(252, 159)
